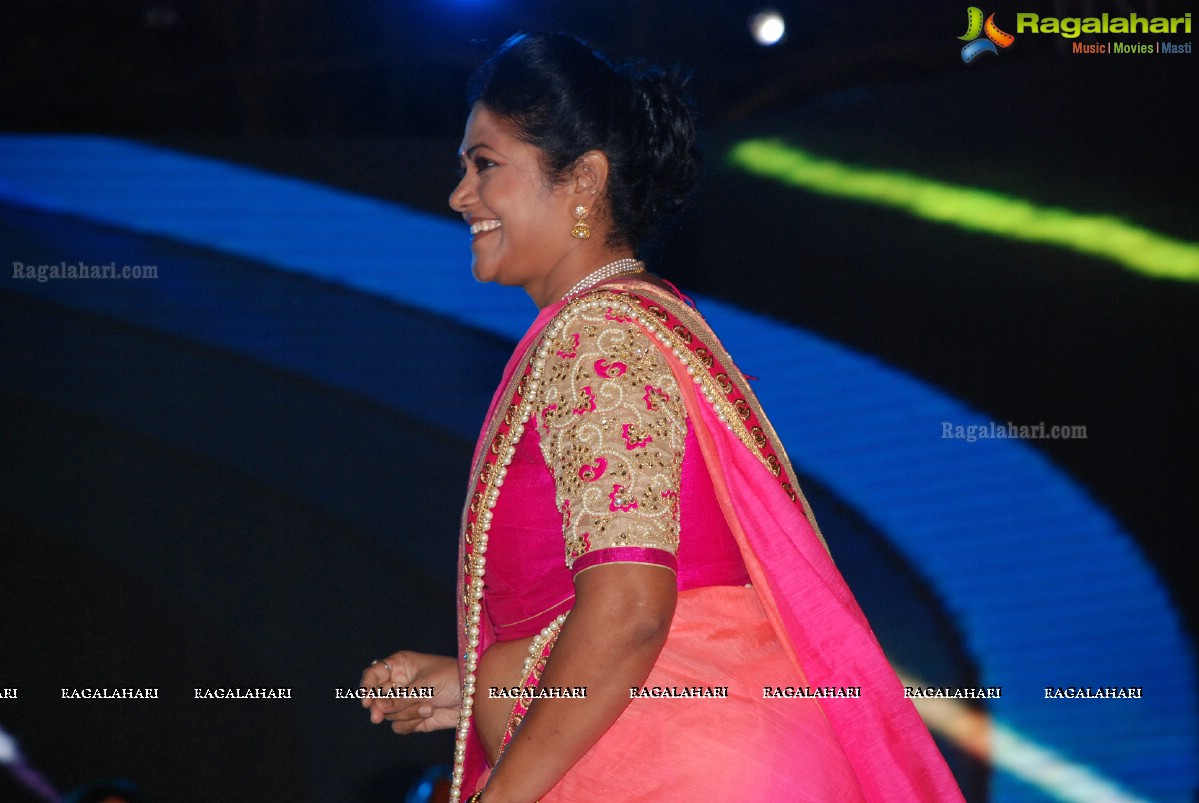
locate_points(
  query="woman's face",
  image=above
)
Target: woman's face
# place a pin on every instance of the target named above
(520, 222)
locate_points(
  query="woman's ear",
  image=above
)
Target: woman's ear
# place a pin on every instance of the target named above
(590, 174)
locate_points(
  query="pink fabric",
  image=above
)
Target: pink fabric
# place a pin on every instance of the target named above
(739, 747)
(526, 541)
(708, 553)
(533, 332)
(625, 554)
(815, 627)
(526, 514)
(475, 764)
(819, 622)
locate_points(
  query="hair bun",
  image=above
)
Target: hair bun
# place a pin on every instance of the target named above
(667, 137)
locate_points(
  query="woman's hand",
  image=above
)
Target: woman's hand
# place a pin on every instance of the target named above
(414, 670)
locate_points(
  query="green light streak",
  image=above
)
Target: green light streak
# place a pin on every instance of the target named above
(1136, 248)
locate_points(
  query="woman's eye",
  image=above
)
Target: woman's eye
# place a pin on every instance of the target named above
(479, 163)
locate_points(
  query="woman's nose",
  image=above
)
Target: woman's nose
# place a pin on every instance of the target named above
(460, 197)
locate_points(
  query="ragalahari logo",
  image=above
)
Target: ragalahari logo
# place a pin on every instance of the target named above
(976, 45)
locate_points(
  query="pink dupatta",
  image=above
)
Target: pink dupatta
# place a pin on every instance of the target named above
(809, 605)
(819, 622)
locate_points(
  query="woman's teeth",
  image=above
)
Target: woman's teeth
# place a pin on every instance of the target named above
(484, 225)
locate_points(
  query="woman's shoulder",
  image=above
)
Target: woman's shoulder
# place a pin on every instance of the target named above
(631, 312)
(611, 334)
(648, 301)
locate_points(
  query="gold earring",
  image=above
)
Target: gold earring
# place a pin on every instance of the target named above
(580, 230)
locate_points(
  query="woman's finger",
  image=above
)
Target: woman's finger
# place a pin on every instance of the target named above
(409, 711)
(373, 677)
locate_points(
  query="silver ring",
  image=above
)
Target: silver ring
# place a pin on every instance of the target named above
(381, 661)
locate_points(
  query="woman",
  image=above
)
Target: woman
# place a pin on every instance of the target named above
(633, 527)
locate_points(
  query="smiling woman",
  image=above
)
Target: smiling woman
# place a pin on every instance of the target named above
(558, 140)
(637, 561)
(508, 203)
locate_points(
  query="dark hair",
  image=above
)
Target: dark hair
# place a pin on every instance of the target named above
(565, 99)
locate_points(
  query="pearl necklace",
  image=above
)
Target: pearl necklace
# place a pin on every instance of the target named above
(620, 267)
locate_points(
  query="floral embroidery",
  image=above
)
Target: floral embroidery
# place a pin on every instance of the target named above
(629, 428)
(577, 545)
(653, 397)
(619, 501)
(569, 355)
(545, 414)
(591, 473)
(605, 371)
(586, 401)
(609, 315)
(630, 434)
(672, 498)
(759, 436)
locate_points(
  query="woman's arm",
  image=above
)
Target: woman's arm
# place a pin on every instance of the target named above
(612, 428)
(608, 644)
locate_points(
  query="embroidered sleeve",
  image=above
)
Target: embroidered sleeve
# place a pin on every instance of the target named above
(612, 427)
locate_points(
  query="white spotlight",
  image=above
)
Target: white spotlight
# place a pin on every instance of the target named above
(767, 27)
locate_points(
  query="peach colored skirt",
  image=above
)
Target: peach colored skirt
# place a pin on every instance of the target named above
(743, 747)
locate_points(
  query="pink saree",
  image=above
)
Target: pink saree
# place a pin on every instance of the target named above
(798, 626)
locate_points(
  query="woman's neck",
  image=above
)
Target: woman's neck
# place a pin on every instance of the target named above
(581, 273)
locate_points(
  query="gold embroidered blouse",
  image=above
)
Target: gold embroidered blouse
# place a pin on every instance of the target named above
(612, 426)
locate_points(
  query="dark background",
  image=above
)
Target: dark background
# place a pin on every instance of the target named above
(174, 516)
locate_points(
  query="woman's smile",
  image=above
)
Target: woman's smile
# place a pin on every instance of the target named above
(509, 204)
(484, 226)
